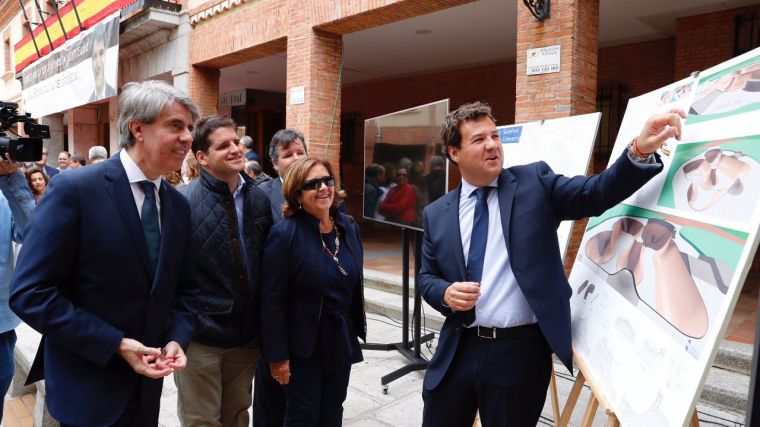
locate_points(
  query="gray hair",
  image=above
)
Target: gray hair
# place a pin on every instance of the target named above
(405, 163)
(97, 153)
(144, 101)
(282, 140)
(247, 142)
(253, 166)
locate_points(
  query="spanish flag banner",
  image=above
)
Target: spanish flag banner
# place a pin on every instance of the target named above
(90, 13)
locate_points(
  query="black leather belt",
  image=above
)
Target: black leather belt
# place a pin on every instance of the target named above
(522, 331)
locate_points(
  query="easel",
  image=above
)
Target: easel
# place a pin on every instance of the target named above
(594, 401)
(409, 349)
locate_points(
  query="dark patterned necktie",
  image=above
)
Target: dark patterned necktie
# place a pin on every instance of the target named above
(149, 219)
(479, 236)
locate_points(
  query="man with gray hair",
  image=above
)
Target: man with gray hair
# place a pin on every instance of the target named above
(116, 301)
(97, 154)
(253, 170)
(286, 147)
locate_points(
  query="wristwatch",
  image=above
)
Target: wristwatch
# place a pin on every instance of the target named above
(635, 157)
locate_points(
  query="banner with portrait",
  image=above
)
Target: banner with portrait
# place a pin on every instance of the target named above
(81, 71)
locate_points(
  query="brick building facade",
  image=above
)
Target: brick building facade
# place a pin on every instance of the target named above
(310, 35)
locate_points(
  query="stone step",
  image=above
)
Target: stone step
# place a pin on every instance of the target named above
(727, 383)
(726, 390)
(734, 356)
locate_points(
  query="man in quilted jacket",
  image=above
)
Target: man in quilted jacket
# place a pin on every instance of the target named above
(230, 220)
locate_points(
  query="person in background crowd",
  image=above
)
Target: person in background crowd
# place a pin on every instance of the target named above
(505, 297)
(216, 389)
(77, 161)
(312, 285)
(250, 154)
(38, 182)
(435, 180)
(97, 154)
(174, 178)
(64, 160)
(43, 166)
(374, 175)
(401, 201)
(286, 147)
(16, 205)
(115, 299)
(190, 169)
(253, 170)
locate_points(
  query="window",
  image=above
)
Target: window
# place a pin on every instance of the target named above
(746, 32)
(7, 54)
(610, 102)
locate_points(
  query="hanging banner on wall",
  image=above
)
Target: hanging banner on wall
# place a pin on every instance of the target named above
(82, 71)
(88, 12)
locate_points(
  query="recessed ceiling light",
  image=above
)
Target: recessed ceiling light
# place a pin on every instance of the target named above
(252, 72)
(423, 32)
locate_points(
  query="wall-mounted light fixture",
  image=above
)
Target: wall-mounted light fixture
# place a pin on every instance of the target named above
(539, 8)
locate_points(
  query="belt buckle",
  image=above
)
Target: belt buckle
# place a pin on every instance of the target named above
(491, 336)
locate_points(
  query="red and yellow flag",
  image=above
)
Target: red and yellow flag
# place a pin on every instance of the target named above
(90, 13)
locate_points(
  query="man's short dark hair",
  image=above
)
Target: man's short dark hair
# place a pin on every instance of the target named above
(205, 127)
(78, 158)
(374, 170)
(68, 155)
(282, 140)
(450, 132)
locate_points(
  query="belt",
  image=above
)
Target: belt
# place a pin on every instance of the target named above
(522, 331)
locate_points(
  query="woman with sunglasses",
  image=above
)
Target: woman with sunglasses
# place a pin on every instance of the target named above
(312, 309)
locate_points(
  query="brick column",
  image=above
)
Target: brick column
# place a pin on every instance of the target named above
(204, 88)
(314, 60)
(574, 25)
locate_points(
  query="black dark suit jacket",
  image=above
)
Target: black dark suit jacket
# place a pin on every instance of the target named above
(84, 280)
(533, 201)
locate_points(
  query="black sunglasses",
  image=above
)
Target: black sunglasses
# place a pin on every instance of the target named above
(316, 183)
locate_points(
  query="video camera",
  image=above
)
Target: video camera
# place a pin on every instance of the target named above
(21, 149)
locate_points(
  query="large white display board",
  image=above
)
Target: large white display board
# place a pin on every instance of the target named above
(657, 277)
(565, 144)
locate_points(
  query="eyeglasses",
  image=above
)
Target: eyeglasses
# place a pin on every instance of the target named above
(316, 183)
(400, 174)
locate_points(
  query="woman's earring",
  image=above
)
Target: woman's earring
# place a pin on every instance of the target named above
(300, 207)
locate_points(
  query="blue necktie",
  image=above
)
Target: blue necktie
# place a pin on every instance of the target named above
(479, 236)
(149, 218)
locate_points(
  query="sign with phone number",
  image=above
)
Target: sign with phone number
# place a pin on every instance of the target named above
(543, 60)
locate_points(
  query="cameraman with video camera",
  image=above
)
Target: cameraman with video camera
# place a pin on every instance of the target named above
(16, 205)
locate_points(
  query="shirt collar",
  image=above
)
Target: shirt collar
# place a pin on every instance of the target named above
(467, 188)
(134, 173)
(239, 187)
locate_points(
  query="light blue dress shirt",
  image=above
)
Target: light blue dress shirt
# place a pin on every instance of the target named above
(502, 303)
(16, 206)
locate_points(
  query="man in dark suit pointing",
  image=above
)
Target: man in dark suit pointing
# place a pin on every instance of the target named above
(499, 279)
(105, 273)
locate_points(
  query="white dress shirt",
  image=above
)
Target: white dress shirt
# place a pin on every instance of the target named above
(502, 303)
(135, 175)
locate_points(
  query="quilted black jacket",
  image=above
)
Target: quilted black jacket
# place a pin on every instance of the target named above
(229, 296)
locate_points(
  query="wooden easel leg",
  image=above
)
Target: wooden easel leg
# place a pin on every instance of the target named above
(694, 419)
(554, 396)
(588, 417)
(612, 421)
(572, 399)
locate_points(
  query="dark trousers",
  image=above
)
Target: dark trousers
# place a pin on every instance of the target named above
(315, 395)
(134, 415)
(506, 379)
(268, 398)
(7, 342)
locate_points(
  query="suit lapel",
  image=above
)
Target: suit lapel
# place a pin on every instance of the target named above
(507, 187)
(118, 188)
(452, 236)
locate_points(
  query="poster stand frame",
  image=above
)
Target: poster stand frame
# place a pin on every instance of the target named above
(594, 401)
(409, 349)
